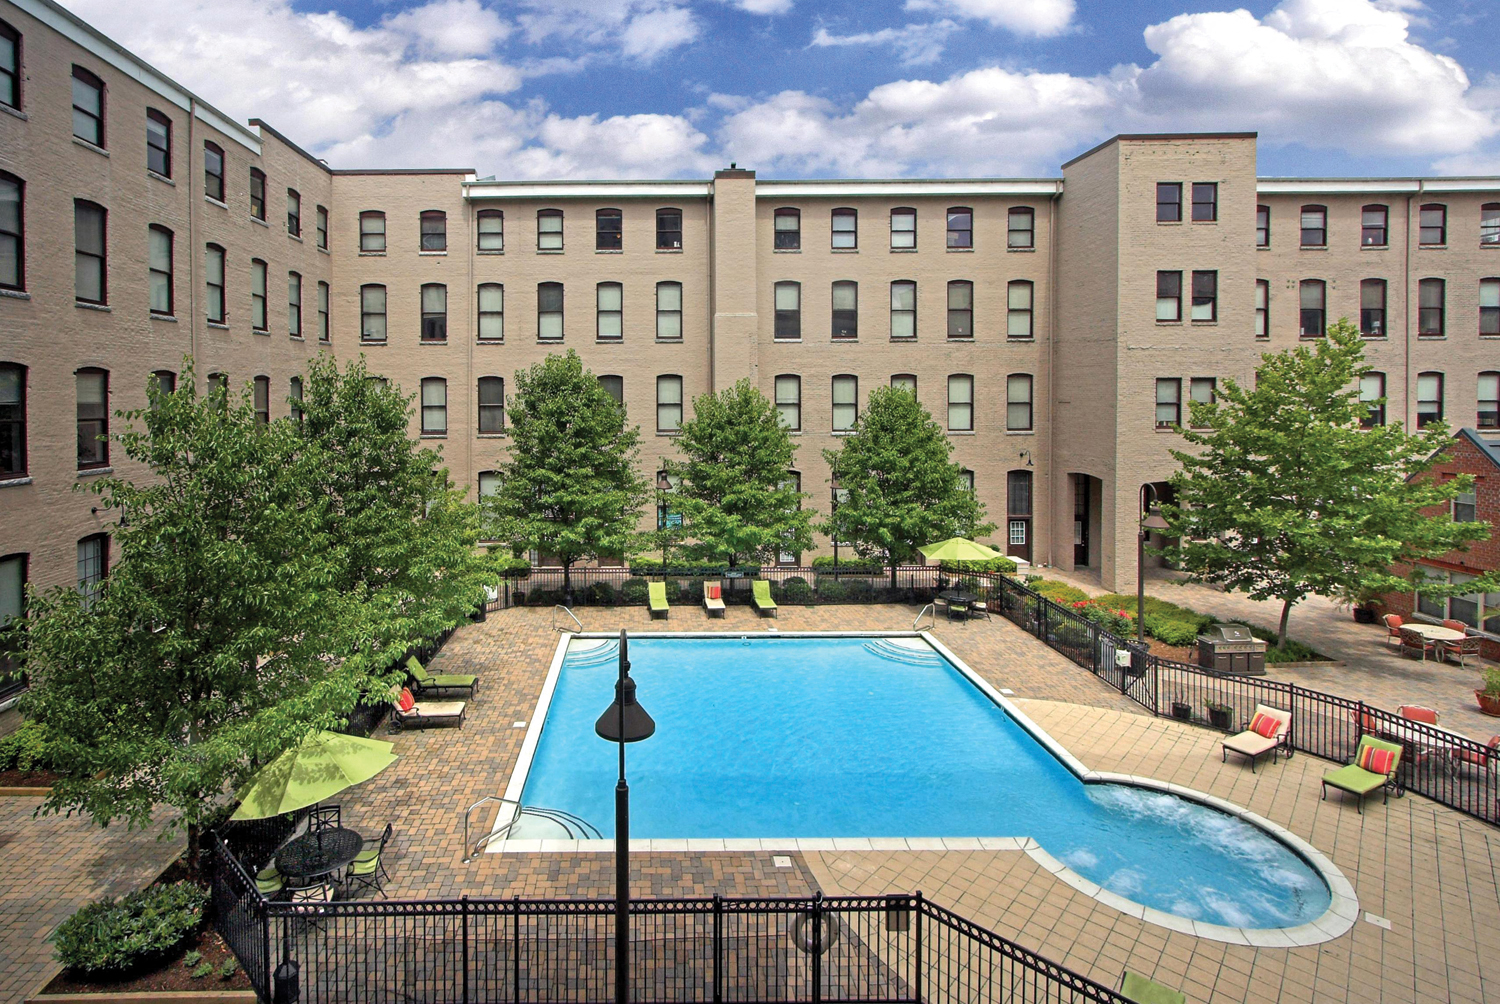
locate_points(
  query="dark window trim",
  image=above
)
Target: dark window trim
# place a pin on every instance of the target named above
(325, 310)
(103, 256)
(1212, 204)
(1438, 207)
(423, 235)
(20, 234)
(480, 234)
(1029, 230)
(264, 295)
(680, 404)
(383, 313)
(1171, 207)
(1303, 231)
(209, 146)
(542, 214)
(951, 230)
(293, 220)
(423, 406)
(256, 174)
(1262, 231)
(1372, 320)
(1384, 227)
(21, 466)
(792, 241)
(261, 394)
(1304, 312)
(561, 311)
(1175, 295)
(904, 210)
(776, 311)
(1423, 331)
(431, 333)
(489, 410)
(372, 214)
(1030, 403)
(171, 271)
(951, 310)
(220, 285)
(1441, 393)
(18, 77)
(668, 210)
(778, 403)
(320, 220)
(294, 309)
(87, 77)
(843, 212)
(160, 118)
(852, 331)
(1176, 384)
(605, 239)
(102, 421)
(971, 402)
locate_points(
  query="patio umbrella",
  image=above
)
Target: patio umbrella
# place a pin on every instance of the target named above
(323, 764)
(959, 549)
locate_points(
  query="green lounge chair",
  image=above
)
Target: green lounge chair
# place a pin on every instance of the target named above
(424, 681)
(269, 882)
(760, 595)
(1360, 782)
(656, 597)
(1143, 991)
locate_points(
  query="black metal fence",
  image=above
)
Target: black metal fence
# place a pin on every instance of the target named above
(899, 949)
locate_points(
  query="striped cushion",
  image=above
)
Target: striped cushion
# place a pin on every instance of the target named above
(1377, 761)
(406, 702)
(1265, 724)
(713, 592)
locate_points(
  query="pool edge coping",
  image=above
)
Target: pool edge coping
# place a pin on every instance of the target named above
(1337, 920)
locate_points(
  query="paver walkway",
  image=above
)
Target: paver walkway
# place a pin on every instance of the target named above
(51, 866)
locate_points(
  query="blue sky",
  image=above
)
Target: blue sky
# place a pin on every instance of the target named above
(796, 88)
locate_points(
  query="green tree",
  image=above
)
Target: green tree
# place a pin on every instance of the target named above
(219, 637)
(570, 488)
(1286, 494)
(900, 490)
(737, 499)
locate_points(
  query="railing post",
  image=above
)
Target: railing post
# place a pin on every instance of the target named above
(463, 913)
(817, 948)
(920, 967)
(515, 948)
(265, 944)
(718, 948)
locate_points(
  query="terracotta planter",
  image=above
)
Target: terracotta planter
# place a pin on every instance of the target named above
(1488, 703)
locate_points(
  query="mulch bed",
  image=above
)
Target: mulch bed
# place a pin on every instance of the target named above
(174, 975)
(27, 778)
(1171, 651)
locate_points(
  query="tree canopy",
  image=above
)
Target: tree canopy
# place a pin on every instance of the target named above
(898, 488)
(738, 499)
(1292, 489)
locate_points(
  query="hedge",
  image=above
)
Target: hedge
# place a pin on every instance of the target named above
(643, 565)
(120, 936)
(1058, 592)
(855, 566)
(997, 566)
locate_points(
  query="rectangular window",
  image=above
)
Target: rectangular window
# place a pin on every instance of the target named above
(961, 403)
(960, 227)
(903, 309)
(903, 229)
(845, 230)
(323, 330)
(845, 310)
(960, 309)
(163, 382)
(609, 297)
(88, 107)
(1018, 304)
(159, 270)
(609, 230)
(786, 226)
(12, 420)
(10, 66)
(1489, 401)
(1489, 306)
(293, 213)
(93, 566)
(321, 219)
(158, 143)
(213, 171)
(668, 403)
(1018, 493)
(1311, 296)
(491, 405)
(257, 193)
(93, 418)
(214, 269)
(614, 386)
(845, 403)
(1168, 296)
(1018, 416)
(294, 304)
(491, 312)
(549, 311)
(12, 232)
(1202, 390)
(1429, 399)
(1169, 202)
(12, 576)
(1262, 226)
(1020, 228)
(669, 230)
(89, 260)
(789, 401)
(669, 311)
(294, 398)
(434, 223)
(1205, 201)
(261, 399)
(372, 232)
(1372, 396)
(1430, 296)
(549, 230)
(904, 381)
(1205, 296)
(1372, 226)
(1489, 224)
(372, 313)
(788, 296)
(1168, 402)
(1314, 226)
(1372, 308)
(434, 312)
(434, 406)
(1464, 506)
(1434, 224)
(491, 230)
(258, 318)
(1262, 308)
(489, 483)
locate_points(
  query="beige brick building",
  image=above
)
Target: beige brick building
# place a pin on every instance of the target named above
(1055, 326)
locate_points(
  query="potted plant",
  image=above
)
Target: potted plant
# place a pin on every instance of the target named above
(1489, 697)
(1219, 714)
(1182, 711)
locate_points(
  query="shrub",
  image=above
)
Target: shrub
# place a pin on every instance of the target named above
(1058, 592)
(1294, 651)
(118, 936)
(634, 592)
(796, 590)
(644, 565)
(600, 594)
(831, 590)
(1002, 566)
(1178, 633)
(872, 566)
(1158, 607)
(1117, 622)
(27, 748)
(509, 566)
(543, 597)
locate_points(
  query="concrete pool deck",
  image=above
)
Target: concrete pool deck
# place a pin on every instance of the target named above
(1424, 875)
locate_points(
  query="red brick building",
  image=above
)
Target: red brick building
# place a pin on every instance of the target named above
(1469, 453)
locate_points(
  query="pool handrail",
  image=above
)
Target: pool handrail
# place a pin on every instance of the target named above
(564, 629)
(931, 610)
(471, 848)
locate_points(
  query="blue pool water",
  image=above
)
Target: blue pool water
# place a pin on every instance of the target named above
(860, 737)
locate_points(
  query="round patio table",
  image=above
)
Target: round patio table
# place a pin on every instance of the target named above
(1434, 633)
(316, 854)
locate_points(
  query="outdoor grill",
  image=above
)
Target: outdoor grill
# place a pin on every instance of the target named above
(1231, 649)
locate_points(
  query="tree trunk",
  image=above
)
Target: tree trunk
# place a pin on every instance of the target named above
(1286, 611)
(893, 572)
(194, 851)
(568, 582)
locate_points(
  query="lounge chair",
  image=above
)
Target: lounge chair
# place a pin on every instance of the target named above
(760, 595)
(1268, 731)
(713, 599)
(1393, 630)
(656, 599)
(1135, 987)
(1373, 769)
(425, 681)
(407, 711)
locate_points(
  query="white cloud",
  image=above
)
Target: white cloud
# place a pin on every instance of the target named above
(917, 43)
(452, 27)
(761, 6)
(643, 29)
(1024, 17)
(652, 33)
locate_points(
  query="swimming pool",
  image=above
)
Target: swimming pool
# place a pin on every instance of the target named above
(796, 736)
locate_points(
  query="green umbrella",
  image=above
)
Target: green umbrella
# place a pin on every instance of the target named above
(959, 549)
(323, 764)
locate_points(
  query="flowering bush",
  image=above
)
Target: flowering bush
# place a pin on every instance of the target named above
(1117, 622)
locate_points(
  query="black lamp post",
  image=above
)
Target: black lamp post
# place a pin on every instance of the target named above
(1150, 520)
(833, 511)
(623, 722)
(663, 486)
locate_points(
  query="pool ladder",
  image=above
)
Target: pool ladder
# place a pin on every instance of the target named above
(563, 628)
(576, 827)
(930, 610)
